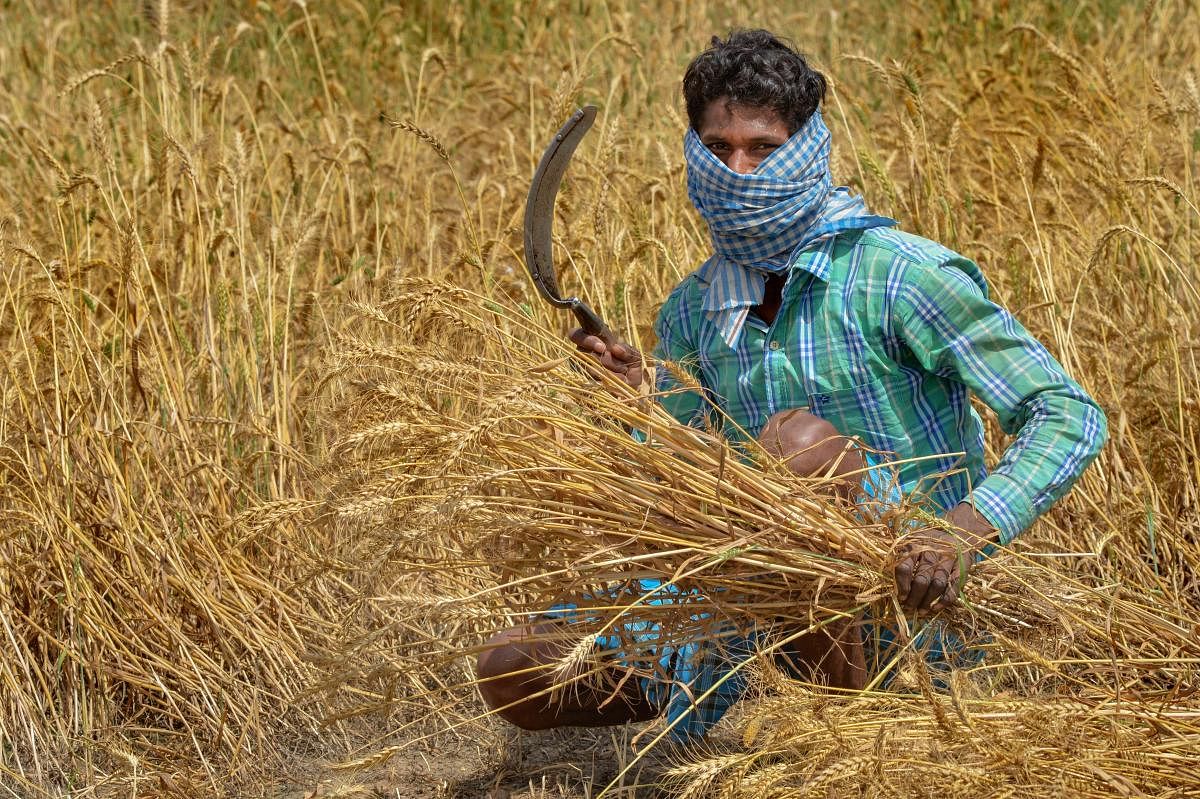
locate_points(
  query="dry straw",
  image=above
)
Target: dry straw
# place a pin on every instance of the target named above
(524, 484)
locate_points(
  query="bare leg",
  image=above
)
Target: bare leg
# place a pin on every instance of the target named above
(810, 445)
(519, 692)
(833, 656)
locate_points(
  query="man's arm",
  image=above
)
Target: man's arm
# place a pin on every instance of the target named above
(945, 318)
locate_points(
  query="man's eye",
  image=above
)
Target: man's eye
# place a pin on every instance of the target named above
(767, 147)
(717, 146)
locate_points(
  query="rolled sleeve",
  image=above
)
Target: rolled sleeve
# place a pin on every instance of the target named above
(1005, 504)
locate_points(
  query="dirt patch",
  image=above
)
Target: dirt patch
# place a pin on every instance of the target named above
(506, 763)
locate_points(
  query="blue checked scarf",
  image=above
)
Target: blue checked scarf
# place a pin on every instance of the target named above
(761, 221)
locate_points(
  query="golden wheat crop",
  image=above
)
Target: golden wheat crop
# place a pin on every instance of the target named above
(285, 432)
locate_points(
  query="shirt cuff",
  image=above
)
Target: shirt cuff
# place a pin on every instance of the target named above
(1005, 504)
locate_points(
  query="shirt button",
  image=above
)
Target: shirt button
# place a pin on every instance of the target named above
(774, 345)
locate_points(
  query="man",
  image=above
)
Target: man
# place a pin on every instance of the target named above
(816, 319)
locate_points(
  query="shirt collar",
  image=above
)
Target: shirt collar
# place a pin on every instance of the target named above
(816, 259)
(731, 289)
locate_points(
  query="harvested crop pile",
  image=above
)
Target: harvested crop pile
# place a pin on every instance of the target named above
(799, 743)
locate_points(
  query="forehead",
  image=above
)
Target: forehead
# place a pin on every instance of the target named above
(723, 116)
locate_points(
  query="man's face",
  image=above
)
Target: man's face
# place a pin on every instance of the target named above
(741, 135)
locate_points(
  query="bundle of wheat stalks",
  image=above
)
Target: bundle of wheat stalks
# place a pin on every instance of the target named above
(563, 480)
(528, 464)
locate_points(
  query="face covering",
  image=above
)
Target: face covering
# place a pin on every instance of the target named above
(761, 221)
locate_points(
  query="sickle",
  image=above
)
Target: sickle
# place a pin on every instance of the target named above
(539, 219)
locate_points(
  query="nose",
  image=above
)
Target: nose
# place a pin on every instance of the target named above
(741, 162)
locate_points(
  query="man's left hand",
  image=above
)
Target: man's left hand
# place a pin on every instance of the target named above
(934, 561)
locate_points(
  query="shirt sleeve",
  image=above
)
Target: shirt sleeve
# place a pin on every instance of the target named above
(944, 316)
(687, 403)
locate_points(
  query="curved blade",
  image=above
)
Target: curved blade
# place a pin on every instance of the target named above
(539, 208)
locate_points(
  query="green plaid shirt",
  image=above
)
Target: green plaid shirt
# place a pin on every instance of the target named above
(886, 335)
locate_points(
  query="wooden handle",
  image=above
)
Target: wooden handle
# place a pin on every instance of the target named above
(592, 324)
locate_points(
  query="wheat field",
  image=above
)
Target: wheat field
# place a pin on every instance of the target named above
(285, 431)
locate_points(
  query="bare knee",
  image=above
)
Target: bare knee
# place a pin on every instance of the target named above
(808, 444)
(511, 681)
(517, 684)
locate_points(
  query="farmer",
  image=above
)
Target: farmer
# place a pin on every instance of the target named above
(814, 320)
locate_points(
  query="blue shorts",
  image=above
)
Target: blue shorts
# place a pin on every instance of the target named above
(694, 683)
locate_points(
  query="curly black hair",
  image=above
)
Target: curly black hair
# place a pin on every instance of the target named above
(754, 68)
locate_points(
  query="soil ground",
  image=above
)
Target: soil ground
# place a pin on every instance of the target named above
(506, 763)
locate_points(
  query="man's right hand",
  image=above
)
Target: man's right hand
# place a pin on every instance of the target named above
(620, 358)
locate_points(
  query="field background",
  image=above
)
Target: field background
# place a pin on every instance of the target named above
(220, 221)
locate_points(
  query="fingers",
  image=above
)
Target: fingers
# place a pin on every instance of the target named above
(925, 579)
(611, 359)
(948, 597)
(904, 578)
(937, 586)
(618, 357)
(920, 583)
(587, 342)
